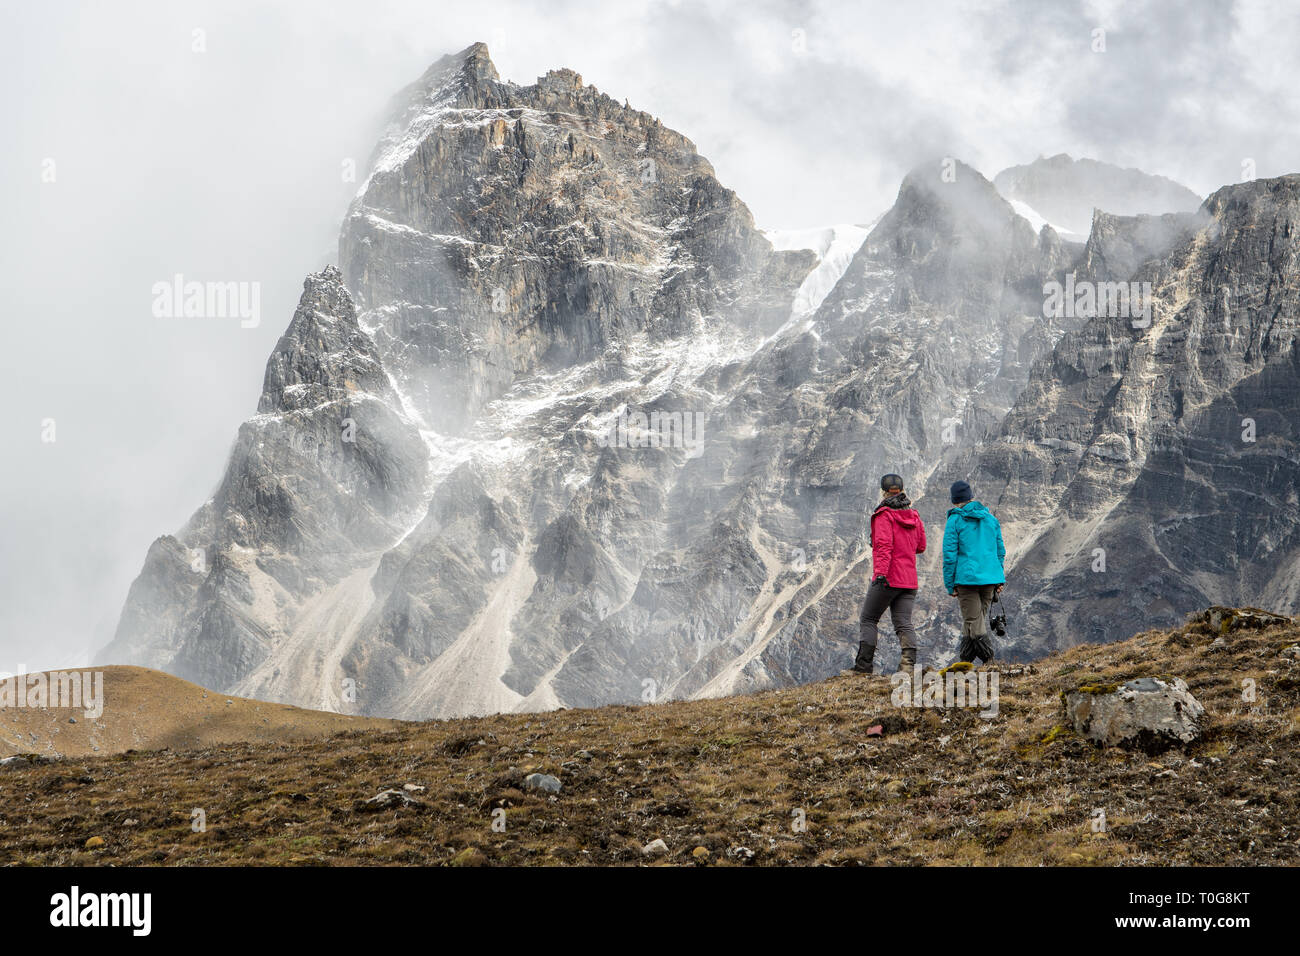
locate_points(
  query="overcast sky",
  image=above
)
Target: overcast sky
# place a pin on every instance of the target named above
(129, 156)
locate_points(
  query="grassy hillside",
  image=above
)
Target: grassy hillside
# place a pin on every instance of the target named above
(723, 782)
(149, 710)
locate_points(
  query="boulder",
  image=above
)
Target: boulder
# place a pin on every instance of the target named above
(1145, 714)
(1223, 620)
(542, 781)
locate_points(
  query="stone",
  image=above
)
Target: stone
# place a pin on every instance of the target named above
(1147, 714)
(1223, 620)
(542, 781)
(14, 763)
(387, 800)
(655, 848)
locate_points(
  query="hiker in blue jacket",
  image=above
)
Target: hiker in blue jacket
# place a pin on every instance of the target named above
(973, 556)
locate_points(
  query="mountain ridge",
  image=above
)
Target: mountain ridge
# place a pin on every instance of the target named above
(1068, 191)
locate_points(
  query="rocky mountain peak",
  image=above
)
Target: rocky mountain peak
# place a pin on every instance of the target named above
(1065, 191)
(561, 80)
(323, 355)
(953, 239)
(1260, 201)
(507, 228)
(951, 200)
(465, 73)
(945, 200)
(1118, 245)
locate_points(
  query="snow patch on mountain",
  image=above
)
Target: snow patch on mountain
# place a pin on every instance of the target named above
(1030, 215)
(835, 247)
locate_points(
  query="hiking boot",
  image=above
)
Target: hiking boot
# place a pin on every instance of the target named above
(967, 650)
(908, 660)
(865, 660)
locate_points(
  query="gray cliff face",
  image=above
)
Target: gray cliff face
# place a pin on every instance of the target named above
(1118, 246)
(319, 482)
(507, 229)
(1147, 471)
(1066, 191)
(558, 433)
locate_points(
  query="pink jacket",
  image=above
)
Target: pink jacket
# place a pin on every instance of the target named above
(897, 537)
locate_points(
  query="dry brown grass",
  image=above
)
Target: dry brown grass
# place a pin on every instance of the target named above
(945, 787)
(148, 710)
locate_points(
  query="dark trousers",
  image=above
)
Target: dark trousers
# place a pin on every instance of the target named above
(974, 600)
(899, 602)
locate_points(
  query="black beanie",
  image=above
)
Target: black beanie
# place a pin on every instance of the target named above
(960, 492)
(890, 482)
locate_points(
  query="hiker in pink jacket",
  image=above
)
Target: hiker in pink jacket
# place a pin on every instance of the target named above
(897, 537)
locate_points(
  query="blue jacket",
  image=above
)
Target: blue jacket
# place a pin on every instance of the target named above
(973, 552)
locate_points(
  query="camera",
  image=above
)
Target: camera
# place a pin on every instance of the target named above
(998, 618)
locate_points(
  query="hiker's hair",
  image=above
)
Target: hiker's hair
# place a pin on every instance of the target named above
(891, 482)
